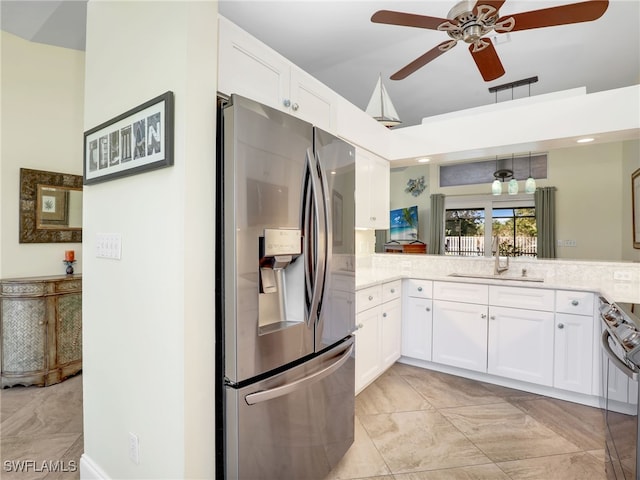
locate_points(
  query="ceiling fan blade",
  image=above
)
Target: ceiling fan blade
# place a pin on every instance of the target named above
(487, 60)
(421, 61)
(407, 19)
(561, 15)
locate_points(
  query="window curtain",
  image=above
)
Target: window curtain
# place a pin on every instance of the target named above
(436, 226)
(545, 202)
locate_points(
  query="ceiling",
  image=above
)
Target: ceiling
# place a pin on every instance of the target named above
(336, 42)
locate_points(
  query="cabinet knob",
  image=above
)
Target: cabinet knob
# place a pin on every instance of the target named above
(370, 297)
(295, 107)
(561, 326)
(372, 218)
(493, 317)
(384, 315)
(428, 309)
(286, 102)
(419, 289)
(482, 315)
(360, 326)
(575, 303)
(41, 322)
(393, 290)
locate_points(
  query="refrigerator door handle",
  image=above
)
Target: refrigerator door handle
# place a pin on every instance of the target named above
(328, 223)
(265, 395)
(317, 241)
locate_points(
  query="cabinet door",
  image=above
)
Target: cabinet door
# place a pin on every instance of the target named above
(391, 332)
(69, 328)
(573, 353)
(372, 191)
(368, 360)
(521, 344)
(460, 334)
(312, 101)
(417, 319)
(249, 68)
(24, 335)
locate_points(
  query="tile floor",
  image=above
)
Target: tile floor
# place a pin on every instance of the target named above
(415, 424)
(411, 424)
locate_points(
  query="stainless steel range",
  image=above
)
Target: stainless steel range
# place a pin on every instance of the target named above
(621, 344)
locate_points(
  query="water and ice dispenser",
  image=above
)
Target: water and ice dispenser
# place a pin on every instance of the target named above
(281, 279)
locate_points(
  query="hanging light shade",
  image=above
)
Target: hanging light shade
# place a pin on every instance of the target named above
(513, 183)
(496, 187)
(530, 184)
(381, 108)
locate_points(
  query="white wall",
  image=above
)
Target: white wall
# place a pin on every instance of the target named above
(149, 317)
(630, 163)
(42, 114)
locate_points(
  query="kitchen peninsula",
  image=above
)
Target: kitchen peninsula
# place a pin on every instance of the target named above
(539, 333)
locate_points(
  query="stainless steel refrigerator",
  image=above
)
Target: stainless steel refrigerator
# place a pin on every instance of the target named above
(285, 351)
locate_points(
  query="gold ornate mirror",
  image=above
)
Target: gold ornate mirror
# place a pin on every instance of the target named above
(50, 207)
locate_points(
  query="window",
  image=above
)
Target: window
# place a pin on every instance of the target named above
(472, 224)
(516, 231)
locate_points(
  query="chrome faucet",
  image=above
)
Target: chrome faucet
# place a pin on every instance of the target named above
(500, 267)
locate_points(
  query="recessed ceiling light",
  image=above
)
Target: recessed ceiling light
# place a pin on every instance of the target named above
(424, 160)
(585, 140)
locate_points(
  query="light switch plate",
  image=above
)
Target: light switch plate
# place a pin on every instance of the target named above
(109, 245)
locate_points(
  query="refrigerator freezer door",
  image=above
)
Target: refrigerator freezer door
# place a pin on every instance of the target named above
(297, 424)
(264, 171)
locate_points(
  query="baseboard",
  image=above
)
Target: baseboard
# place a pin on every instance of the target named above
(89, 470)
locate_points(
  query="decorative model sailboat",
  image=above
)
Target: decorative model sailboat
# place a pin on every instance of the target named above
(381, 108)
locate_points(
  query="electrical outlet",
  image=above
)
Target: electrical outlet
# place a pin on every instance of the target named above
(134, 448)
(570, 243)
(622, 276)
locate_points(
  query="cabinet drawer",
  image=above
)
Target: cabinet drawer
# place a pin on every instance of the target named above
(580, 303)
(391, 290)
(417, 288)
(368, 298)
(461, 292)
(519, 297)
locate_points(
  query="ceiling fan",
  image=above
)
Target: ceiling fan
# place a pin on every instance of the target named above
(470, 20)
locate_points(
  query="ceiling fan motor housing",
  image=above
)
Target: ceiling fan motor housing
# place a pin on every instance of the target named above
(465, 25)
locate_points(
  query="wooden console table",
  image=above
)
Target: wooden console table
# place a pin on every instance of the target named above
(40, 329)
(417, 247)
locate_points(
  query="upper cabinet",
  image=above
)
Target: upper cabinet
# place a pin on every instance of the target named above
(249, 68)
(372, 190)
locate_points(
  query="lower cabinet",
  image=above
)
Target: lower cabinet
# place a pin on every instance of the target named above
(520, 344)
(460, 334)
(573, 353)
(379, 331)
(417, 324)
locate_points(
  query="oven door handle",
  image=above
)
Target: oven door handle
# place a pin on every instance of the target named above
(628, 371)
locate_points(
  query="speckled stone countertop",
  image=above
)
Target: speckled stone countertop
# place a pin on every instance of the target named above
(616, 281)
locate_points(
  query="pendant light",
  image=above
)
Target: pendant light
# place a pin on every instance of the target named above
(496, 186)
(513, 183)
(530, 184)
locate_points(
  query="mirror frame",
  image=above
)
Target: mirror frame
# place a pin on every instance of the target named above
(29, 231)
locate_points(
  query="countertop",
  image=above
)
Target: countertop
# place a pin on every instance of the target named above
(616, 281)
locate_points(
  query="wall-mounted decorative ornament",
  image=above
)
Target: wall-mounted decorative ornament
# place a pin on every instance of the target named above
(415, 186)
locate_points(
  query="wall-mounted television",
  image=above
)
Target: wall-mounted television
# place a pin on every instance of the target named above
(404, 224)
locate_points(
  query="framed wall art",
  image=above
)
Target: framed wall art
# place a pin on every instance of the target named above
(136, 141)
(635, 202)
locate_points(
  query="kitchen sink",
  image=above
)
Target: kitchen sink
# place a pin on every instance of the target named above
(497, 277)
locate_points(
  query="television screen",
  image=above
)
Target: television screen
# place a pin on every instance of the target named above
(404, 223)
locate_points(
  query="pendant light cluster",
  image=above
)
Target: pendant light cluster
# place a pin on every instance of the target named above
(502, 174)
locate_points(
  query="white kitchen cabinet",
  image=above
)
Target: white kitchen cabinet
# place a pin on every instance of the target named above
(417, 319)
(378, 334)
(372, 190)
(391, 332)
(573, 368)
(250, 68)
(460, 334)
(368, 358)
(520, 344)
